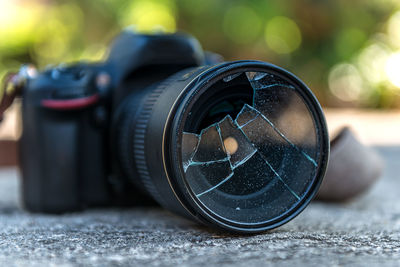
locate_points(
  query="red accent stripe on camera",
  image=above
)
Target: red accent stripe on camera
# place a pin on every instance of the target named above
(68, 104)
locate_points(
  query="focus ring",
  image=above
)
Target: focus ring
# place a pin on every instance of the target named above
(139, 137)
(123, 128)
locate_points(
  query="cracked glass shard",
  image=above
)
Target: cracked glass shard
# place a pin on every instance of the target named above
(261, 191)
(235, 143)
(207, 170)
(254, 169)
(231, 77)
(189, 144)
(278, 100)
(255, 76)
(284, 157)
(262, 80)
(210, 147)
(246, 115)
(204, 176)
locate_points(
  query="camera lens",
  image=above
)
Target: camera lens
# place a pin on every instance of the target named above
(241, 145)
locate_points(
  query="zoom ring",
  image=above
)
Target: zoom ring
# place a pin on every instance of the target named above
(139, 142)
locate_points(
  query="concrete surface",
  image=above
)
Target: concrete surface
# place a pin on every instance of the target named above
(365, 232)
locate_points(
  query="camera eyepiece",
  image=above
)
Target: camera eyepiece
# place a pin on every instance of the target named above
(242, 145)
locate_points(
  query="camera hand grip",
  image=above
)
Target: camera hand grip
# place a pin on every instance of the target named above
(49, 166)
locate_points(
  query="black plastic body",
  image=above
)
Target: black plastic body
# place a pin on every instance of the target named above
(66, 159)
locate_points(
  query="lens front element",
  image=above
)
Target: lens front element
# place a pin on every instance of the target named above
(252, 158)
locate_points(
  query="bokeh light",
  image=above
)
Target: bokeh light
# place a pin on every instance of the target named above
(345, 82)
(349, 41)
(241, 24)
(282, 35)
(372, 61)
(393, 29)
(17, 23)
(346, 51)
(393, 69)
(148, 15)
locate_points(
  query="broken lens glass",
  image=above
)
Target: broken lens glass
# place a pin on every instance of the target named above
(252, 158)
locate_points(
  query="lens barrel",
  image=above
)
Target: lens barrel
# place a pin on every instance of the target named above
(241, 145)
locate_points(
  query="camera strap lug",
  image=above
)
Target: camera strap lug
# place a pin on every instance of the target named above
(13, 85)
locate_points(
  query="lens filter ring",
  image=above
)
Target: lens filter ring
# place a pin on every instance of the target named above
(252, 146)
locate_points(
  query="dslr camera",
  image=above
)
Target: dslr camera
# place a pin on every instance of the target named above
(238, 145)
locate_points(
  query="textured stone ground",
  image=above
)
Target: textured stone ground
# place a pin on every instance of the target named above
(365, 232)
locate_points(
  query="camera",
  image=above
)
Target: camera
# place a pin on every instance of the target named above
(239, 145)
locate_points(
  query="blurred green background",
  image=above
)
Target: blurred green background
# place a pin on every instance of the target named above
(348, 52)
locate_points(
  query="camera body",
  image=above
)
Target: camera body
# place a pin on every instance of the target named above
(242, 145)
(69, 158)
